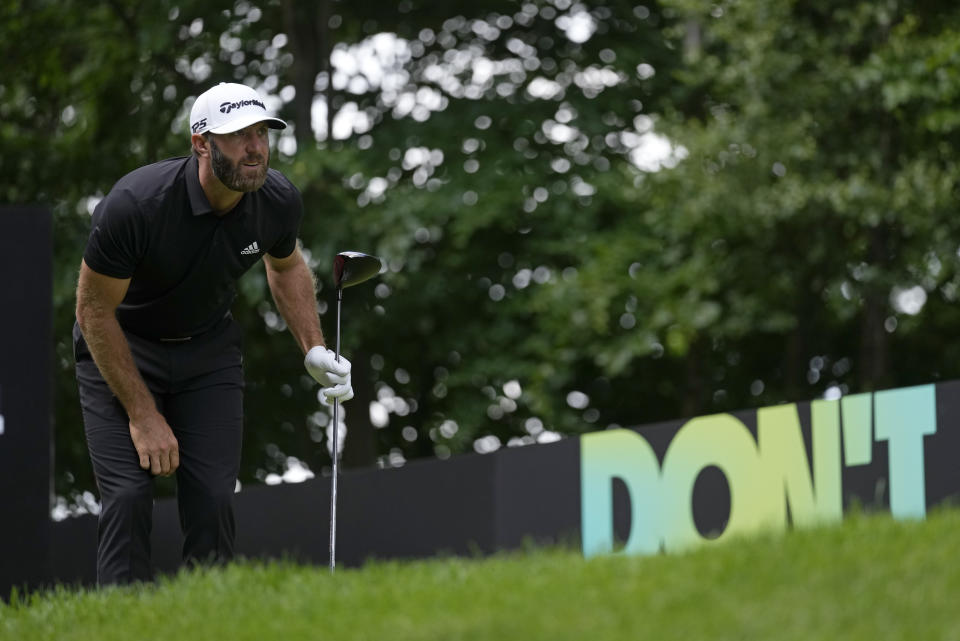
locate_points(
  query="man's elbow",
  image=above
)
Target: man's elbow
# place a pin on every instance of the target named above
(84, 314)
(89, 315)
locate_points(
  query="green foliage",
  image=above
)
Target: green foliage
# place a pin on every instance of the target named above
(795, 233)
(841, 582)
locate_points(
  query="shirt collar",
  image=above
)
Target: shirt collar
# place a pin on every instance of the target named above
(198, 200)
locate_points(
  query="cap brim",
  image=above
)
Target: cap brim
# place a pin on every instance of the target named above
(246, 121)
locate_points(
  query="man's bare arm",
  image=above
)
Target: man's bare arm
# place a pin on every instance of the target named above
(294, 291)
(97, 299)
(293, 288)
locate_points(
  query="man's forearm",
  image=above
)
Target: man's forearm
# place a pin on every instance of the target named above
(111, 352)
(293, 291)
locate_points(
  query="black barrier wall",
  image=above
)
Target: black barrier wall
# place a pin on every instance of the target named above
(467, 505)
(25, 357)
(657, 487)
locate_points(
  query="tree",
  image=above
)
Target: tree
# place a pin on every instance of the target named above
(592, 214)
(813, 216)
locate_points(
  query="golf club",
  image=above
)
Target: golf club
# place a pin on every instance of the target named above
(349, 268)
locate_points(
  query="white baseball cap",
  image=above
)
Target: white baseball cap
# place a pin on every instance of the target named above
(229, 107)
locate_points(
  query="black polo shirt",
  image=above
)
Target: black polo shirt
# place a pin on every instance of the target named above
(157, 228)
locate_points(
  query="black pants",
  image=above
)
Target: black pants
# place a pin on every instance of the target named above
(198, 387)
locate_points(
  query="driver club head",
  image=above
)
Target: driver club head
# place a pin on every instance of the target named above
(351, 268)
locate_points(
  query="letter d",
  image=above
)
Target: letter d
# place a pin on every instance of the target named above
(625, 455)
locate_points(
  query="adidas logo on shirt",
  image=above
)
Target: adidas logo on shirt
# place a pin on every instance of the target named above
(252, 248)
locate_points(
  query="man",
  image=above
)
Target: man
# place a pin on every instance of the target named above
(158, 354)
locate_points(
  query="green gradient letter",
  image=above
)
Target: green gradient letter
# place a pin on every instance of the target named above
(785, 462)
(724, 441)
(625, 455)
(903, 417)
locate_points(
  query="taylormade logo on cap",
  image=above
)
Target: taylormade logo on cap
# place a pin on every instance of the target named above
(229, 107)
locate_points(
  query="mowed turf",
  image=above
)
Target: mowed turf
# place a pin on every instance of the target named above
(870, 578)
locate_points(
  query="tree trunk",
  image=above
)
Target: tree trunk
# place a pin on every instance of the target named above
(798, 348)
(874, 342)
(694, 387)
(305, 24)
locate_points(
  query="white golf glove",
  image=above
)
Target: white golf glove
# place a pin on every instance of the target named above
(333, 375)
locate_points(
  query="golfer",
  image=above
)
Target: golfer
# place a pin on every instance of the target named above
(158, 354)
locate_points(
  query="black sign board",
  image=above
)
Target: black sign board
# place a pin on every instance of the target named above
(26, 350)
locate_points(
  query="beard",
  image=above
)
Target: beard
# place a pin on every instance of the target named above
(232, 174)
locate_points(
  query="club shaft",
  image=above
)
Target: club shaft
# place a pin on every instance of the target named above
(334, 453)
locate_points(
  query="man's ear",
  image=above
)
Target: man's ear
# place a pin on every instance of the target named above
(201, 146)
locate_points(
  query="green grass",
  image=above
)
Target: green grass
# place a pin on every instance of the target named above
(870, 578)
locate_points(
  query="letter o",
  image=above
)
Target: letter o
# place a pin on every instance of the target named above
(724, 441)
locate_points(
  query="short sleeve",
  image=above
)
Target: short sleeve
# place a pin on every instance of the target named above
(293, 214)
(118, 236)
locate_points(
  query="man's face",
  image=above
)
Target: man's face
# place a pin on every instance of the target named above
(240, 159)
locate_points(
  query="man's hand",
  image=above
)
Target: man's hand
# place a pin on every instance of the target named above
(333, 375)
(98, 297)
(156, 445)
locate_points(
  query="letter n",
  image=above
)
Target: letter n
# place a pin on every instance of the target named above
(784, 457)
